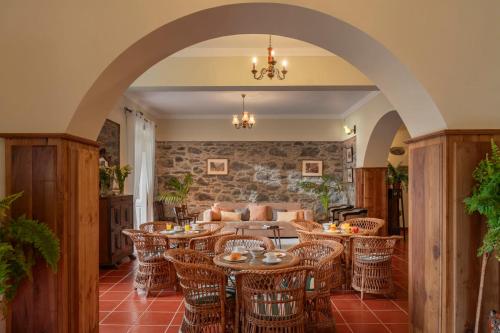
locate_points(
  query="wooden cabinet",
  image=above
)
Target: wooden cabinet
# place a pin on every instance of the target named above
(115, 214)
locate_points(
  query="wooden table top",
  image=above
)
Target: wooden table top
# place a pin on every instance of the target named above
(289, 260)
(185, 234)
(342, 233)
(258, 227)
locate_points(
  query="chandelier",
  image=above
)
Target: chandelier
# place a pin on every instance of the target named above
(247, 120)
(271, 70)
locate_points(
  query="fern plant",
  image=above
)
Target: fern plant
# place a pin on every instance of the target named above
(397, 176)
(22, 240)
(178, 190)
(324, 189)
(485, 200)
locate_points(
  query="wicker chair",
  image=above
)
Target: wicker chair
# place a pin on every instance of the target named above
(272, 300)
(209, 307)
(153, 271)
(206, 244)
(370, 224)
(372, 264)
(324, 257)
(154, 226)
(227, 243)
(307, 225)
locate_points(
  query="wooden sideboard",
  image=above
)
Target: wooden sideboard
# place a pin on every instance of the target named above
(115, 215)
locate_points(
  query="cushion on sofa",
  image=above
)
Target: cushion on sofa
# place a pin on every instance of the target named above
(275, 213)
(216, 212)
(258, 213)
(300, 214)
(245, 213)
(286, 216)
(230, 216)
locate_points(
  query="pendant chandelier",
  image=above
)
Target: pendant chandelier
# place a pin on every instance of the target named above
(271, 70)
(247, 120)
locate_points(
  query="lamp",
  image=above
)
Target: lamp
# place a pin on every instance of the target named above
(247, 119)
(271, 70)
(349, 130)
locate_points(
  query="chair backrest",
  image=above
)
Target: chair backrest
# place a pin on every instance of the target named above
(324, 256)
(307, 225)
(188, 256)
(370, 224)
(273, 298)
(227, 243)
(154, 226)
(306, 236)
(149, 247)
(206, 244)
(373, 248)
(180, 212)
(159, 211)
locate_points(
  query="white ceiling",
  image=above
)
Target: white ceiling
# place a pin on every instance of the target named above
(251, 45)
(264, 104)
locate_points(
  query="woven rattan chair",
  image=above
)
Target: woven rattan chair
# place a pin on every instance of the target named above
(153, 271)
(324, 257)
(154, 226)
(206, 244)
(307, 225)
(272, 300)
(227, 243)
(209, 307)
(369, 224)
(372, 264)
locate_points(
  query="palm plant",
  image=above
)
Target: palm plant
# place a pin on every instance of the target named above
(22, 240)
(178, 190)
(324, 189)
(397, 176)
(485, 200)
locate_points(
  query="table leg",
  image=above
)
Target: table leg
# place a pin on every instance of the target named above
(279, 236)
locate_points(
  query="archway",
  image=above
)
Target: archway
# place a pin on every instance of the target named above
(406, 94)
(380, 140)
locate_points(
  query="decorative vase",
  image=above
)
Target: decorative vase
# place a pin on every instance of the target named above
(121, 186)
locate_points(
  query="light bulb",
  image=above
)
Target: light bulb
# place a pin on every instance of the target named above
(245, 116)
(235, 120)
(254, 60)
(272, 53)
(284, 63)
(347, 129)
(252, 119)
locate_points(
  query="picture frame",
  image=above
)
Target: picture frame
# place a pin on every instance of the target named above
(349, 175)
(312, 168)
(217, 166)
(348, 154)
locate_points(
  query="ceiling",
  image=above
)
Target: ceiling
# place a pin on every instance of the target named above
(319, 103)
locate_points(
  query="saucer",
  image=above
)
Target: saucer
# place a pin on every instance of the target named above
(271, 262)
(228, 258)
(278, 254)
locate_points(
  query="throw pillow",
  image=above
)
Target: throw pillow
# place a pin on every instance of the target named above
(300, 214)
(230, 216)
(216, 213)
(275, 213)
(286, 216)
(245, 213)
(258, 213)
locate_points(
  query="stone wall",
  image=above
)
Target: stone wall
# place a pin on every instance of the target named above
(109, 139)
(258, 171)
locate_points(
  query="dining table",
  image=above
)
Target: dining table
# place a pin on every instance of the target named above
(181, 238)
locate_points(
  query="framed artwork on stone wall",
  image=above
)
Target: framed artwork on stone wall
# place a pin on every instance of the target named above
(349, 175)
(348, 154)
(217, 166)
(312, 168)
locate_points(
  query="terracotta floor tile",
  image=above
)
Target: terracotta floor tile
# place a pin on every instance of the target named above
(121, 318)
(177, 319)
(165, 306)
(398, 328)
(338, 317)
(114, 296)
(398, 317)
(340, 328)
(403, 304)
(105, 286)
(344, 305)
(114, 328)
(110, 279)
(103, 314)
(122, 287)
(108, 305)
(368, 328)
(155, 318)
(148, 329)
(173, 329)
(133, 306)
(359, 317)
(381, 304)
(344, 296)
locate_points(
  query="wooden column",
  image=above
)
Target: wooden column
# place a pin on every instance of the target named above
(371, 192)
(444, 268)
(59, 177)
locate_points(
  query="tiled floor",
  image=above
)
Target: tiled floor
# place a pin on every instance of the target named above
(122, 310)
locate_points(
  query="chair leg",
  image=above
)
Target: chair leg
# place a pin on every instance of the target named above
(362, 282)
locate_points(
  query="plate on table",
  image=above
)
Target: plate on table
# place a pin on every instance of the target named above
(168, 232)
(336, 231)
(228, 258)
(242, 252)
(271, 261)
(278, 254)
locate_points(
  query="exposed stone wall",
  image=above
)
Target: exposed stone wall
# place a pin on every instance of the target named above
(258, 171)
(109, 138)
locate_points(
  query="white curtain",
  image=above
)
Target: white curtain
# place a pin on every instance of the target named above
(141, 154)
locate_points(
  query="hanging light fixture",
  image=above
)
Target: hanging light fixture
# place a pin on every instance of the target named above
(271, 70)
(247, 119)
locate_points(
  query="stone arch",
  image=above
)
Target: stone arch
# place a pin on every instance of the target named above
(402, 89)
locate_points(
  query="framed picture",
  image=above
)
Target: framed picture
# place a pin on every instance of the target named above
(349, 175)
(217, 166)
(312, 168)
(348, 154)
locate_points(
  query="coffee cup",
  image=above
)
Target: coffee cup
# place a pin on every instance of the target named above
(271, 256)
(239, 249)
(256, 251)
(326, 226)
(177, 228)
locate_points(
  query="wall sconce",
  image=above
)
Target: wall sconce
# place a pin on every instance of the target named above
(349, 131)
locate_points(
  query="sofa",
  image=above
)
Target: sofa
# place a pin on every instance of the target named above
(288, 228)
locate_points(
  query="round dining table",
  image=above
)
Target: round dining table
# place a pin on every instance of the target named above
(257, 263)
(182, 237)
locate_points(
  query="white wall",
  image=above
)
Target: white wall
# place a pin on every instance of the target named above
(264, 130)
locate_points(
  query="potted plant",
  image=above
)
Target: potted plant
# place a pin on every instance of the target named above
(121, 175)
(485, 200)
(397, 177)
(178, 190)
(106, 176)
(323, 190)
(22, 241)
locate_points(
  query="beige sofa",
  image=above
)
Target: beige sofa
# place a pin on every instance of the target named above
(288, 228)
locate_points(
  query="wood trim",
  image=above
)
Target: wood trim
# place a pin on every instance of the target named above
(63, 136)
(453, 132)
